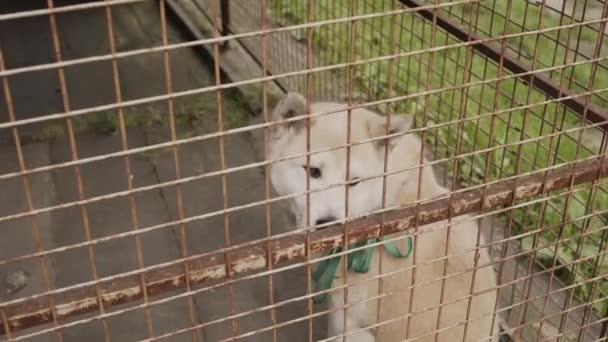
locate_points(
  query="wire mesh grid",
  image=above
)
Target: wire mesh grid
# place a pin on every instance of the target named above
(144, 169)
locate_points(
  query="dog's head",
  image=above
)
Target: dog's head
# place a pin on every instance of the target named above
(327, 170)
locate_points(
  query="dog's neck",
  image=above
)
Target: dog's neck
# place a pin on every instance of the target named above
(408, 190)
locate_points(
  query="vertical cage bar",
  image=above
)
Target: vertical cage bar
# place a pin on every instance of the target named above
(65, 98)
(309, 90)
(389, 113)
(349, 100)
(264, 57)
(127, 162)
(192, 311)
(527, 284)
(468, 69)
(223, 177)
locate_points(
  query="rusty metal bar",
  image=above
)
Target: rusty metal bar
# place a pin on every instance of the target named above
(543, 83)
(73, 147)
(192, 313)
(72, 303)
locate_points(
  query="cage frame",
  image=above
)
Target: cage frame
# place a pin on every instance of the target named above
(235, 261)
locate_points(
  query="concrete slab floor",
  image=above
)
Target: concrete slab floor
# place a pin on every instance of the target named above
(27, 42)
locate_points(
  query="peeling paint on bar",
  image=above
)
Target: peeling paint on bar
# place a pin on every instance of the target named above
(64, 310)
(296, 250)
(247, 259)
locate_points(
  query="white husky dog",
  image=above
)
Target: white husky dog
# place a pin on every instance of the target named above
(363, 321)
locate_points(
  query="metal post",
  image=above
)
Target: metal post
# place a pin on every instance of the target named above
(225, 14)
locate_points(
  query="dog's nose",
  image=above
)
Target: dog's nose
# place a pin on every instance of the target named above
(324, 220)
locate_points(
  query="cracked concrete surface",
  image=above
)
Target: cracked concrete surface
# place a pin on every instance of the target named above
(27, 42)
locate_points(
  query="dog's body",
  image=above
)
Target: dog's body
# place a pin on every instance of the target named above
(328, 169)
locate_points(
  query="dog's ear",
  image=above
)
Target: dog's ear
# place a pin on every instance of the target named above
(398, 124)
(291, 105)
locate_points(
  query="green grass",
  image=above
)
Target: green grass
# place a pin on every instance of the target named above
(446, 68)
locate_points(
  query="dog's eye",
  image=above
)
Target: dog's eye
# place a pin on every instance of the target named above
(354, 181)
(314, 172)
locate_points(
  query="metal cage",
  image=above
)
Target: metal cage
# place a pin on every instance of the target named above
(136, 199)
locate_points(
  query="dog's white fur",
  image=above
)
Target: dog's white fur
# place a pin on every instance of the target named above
(367, 160)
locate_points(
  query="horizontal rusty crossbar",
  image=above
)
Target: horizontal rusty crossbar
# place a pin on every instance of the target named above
(208, 268)
(577, 104)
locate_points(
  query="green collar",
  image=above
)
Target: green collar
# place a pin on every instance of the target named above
(358, 261)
